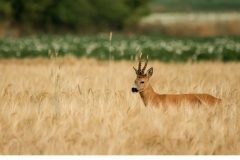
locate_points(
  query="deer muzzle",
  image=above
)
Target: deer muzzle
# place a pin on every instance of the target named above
(134, 89)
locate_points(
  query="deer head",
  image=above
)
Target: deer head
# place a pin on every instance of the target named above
(142, 81)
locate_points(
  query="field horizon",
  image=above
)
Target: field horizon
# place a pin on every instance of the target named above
(79, 106)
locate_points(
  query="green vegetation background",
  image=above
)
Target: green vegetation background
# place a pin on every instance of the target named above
(72, 15)
(41, 21)
(195, 5)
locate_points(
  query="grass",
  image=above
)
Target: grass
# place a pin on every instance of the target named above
(66, 105)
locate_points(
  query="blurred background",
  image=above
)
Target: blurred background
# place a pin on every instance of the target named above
(167, 30)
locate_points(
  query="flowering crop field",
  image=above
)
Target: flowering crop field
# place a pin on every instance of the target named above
(201, 24)
(123, 47)
(173, 18)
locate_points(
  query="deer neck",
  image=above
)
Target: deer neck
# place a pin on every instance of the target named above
(148, 95)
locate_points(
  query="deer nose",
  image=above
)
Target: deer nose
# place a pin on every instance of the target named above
(134, 90)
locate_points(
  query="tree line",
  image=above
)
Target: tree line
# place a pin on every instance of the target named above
(76, 15)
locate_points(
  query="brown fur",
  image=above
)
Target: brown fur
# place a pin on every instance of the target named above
(148, 95)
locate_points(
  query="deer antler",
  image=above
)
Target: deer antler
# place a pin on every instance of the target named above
(139, 64)
(145, 66)
(138, 71)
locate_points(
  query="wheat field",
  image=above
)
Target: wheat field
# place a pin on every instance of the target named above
(70, 106)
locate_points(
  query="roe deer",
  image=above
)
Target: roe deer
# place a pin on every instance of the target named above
(148, 95)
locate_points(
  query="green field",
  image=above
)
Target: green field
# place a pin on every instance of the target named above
(194, 5)
(167, 49)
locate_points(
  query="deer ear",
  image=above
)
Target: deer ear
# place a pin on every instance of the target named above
(150, 72)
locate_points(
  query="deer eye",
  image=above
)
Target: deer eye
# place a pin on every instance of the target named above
(142, 82)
